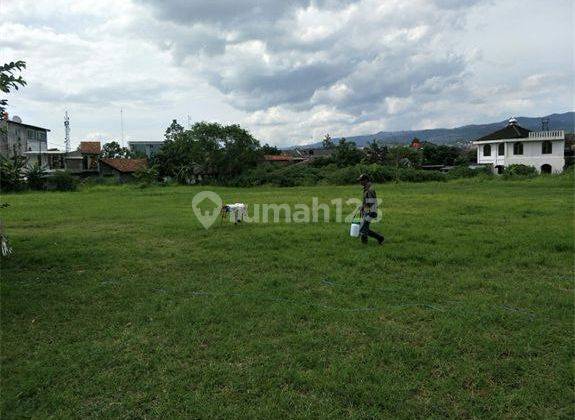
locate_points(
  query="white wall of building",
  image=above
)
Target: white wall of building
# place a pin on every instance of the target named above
(532, 154)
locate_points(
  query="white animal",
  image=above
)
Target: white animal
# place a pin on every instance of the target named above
(236, 211)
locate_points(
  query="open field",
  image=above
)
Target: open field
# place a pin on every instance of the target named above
(118, 303)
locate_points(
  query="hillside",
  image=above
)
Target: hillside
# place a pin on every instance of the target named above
(565, 121)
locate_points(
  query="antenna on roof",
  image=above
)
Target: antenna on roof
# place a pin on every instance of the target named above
(545, 124)
(67, 132)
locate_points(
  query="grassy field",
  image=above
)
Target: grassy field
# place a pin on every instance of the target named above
(118, 303)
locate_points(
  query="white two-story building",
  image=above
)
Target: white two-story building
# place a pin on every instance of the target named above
(544, 150)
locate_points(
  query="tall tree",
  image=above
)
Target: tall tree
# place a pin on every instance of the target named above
(9, 81)
(173, 131)
(327, 142)
(346, 153)
(375, 152)
(207, 148)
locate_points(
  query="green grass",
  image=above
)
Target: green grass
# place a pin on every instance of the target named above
(117, 303)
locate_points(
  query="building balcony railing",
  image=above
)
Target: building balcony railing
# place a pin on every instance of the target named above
(547, 135)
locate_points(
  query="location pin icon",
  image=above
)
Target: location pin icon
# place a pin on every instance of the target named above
(206, 217)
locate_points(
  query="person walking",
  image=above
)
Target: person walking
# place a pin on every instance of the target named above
(368, 211)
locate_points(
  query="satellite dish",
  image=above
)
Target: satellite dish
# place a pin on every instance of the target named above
(17, 119)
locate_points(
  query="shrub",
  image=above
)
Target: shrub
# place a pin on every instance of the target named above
(382, 173)
(36, 177)
(514, 171)
(99, 180)
(147, 176)
(464, 171)
(63, 181)
(321, 161)
(11, 178)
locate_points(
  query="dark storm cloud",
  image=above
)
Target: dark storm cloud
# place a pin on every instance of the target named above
(351, 54)
(233, 11)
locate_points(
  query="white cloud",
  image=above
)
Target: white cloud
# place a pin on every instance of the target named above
(286, 70)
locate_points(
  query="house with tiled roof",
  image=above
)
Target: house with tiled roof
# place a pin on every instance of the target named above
(120, 168)
(84, 160)
(513, 144)
(282, 159)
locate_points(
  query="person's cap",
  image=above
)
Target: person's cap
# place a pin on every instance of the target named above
(363, 177)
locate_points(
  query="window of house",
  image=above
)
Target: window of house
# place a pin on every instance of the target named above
(487, 150)
(40, 135)
(547, 147)
(31, 134)
(501, 149)
(518, 148)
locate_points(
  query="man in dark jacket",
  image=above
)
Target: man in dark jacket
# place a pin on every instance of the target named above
(368, 211)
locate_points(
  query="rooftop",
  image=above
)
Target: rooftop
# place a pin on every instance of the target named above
(511, 131)
(280, 158)
(27, 125)
(90, 147)
(126, 165)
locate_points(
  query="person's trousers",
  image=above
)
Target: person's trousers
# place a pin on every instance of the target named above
(365, 232)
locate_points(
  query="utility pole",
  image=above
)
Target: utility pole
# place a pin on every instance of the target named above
(67, 132)
(122, 124)
(189, 122)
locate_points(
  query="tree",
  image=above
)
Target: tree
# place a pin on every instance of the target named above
(9, 81)
(207, 148)
(327, 142)
(173, 131)
(440, 155)
(346, 153)
(266, 149)
(375, 152)
(241, 150)
(114, 150)
(404, 156)
(467, 157)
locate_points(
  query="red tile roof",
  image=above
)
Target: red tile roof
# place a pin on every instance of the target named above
(90, 147)
(277, 157)
(126, 165)
(280, 158)
(416, 143)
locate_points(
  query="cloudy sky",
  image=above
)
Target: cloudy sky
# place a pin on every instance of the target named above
(288, 70)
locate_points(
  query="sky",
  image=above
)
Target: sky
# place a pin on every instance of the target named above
(288, 71)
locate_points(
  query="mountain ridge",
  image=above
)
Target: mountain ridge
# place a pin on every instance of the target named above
(557, 121)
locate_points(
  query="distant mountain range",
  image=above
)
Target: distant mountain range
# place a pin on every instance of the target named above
(565, 121)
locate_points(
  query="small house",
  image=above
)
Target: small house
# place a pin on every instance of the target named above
(84, 161)
(120, 168)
